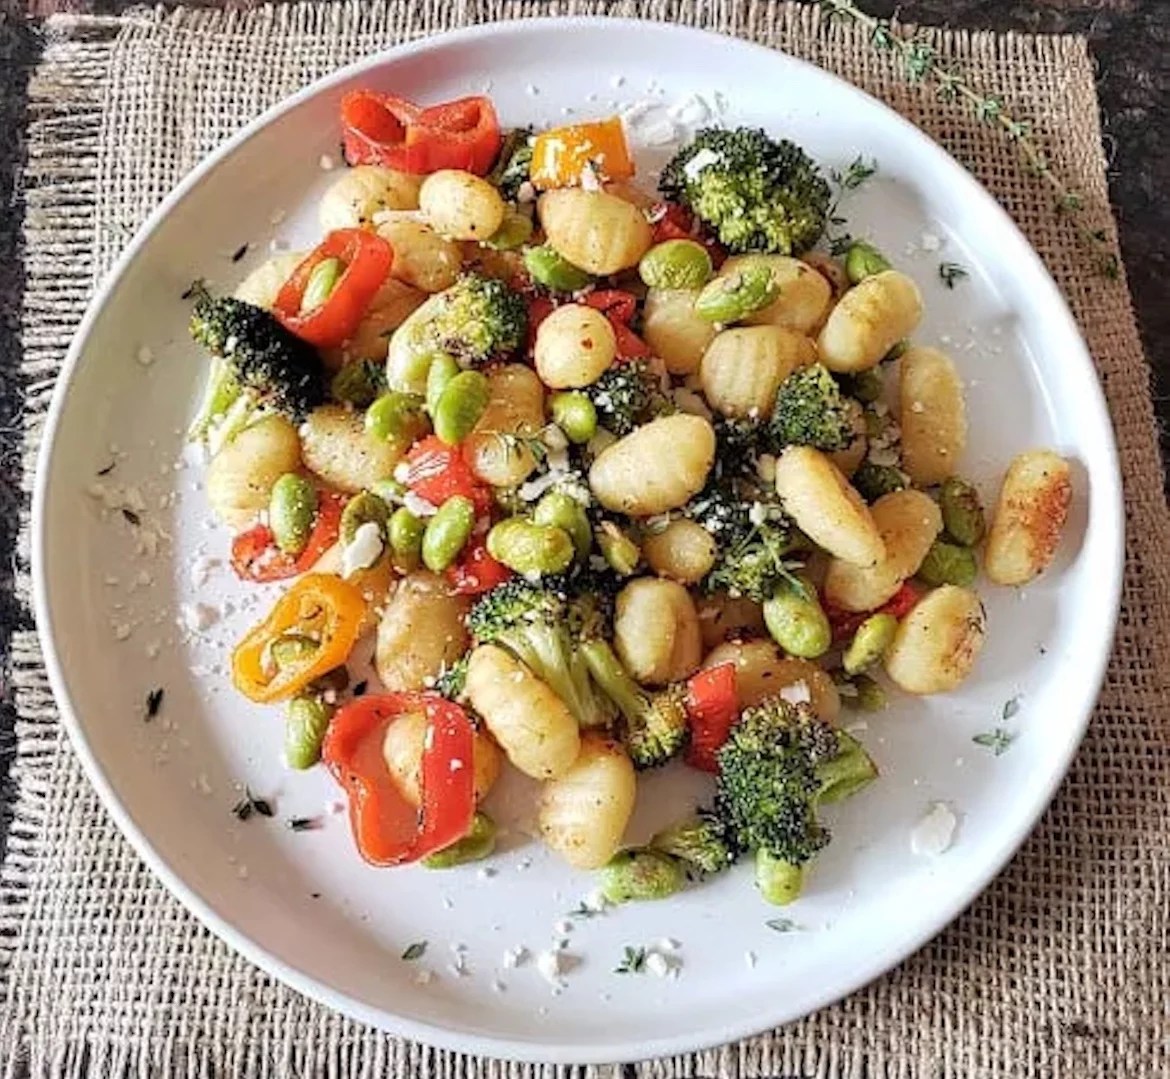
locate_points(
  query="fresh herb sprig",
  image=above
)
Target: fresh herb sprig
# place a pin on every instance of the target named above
(633, 961)
(250, 804)
(950, 272)
(415, 951)
(998, 740)
(154, 701)
(921, 63)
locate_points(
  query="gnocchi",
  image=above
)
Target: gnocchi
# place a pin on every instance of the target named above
(743, 367)
(363, 193)
(263, 284)
(1029, 517)
(420, 633)
(932, 414)
(241, 475)
(460, 205)
(723, 618)
(681, 550)
(599, 232)
(937, 643)
(656, 631)
(762, 671)
(673, 330)
(869, 320)
(402, 750)
(804, 299)
(338, 448)
(423, 259)
(516, 407)
(575, 345)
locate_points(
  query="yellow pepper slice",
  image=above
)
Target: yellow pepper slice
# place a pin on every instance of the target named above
(560, 155)
(321, 615)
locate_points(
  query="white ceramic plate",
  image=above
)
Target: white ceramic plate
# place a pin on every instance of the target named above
(170, 784)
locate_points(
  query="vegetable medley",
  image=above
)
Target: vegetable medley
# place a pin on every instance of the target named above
(616, 476)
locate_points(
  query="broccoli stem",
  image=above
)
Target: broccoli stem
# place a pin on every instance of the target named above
(548, 653)
(222, 391)
(780, 882)
(846, 773)
(609, 673)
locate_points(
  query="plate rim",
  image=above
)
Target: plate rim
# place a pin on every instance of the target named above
(1109, 502)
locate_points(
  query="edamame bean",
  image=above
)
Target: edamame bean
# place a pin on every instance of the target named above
(442, 370)
(364, 508)
(869, 643)
(863, 260)
(515, 231)
(460, 406)
(396, 417)
(322, 281)
(555, 272)
(779, 882)
(962, 512)
(676, 264)
(304, 731)
(736, 295)
(797, 622)
(292, 508)
(359, 383)
(872, 481)
(529, 548)
(389, 491)
(574, 413)
(863, 694)
(948, 563)
(620, 552)
(479, 842)
(564, 511)
(291, 649)
(447, 532)
(405, 532)
(867, 386)
(640, 874)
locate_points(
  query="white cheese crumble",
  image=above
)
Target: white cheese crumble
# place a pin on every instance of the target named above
(419, 506)
(363, 550)
(327, 163)
(797, 693)
(201, 570)
(658, 964)
(699, 162)
(198, 617)
(933, 834)
(930, 242)
(513, 957)
(550, 964)
(757, 513)
(525, 193)
(146, 355)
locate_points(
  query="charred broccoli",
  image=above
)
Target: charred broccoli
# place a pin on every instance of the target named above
(755, 192)
(629, 394)
(872, 480)
(779, 764)
(531, 621)
(811, 411)
(256, 364)
(512, 166)
(699, 841)
(451, 680)
(655, 724)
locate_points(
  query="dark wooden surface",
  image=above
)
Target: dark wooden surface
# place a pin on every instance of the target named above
(1130, 40)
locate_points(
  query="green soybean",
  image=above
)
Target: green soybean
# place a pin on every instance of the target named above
(292, 508)
(575, 414)
(863, 260)
(640, 874)
(797, 622)
(869, 643)
(779, 882)
(479, 843)
(514, 231)
(736, 295)
(396, 417)
(364, 508)
(304, 731)
(530, 548)
(359, 383)
(322, 281)
(405, 534)
(389, 491)
(962, 512)
(552, 270)
(872, 481)
(948, 563)
(291, 649)
(443, 368)
(862, 693)
(563, 511)
(620, 552)
(867, 386)
(676, 264)
(447, 532)
(460, 406)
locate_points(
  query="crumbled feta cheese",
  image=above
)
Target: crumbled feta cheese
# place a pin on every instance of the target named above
(401, 472)
(363, 550)
(525, 193)
(657, 132)
(658, 964)
(589, 178)
(757, 513)
(691, 111)
(930, 242)
(146, 355)
(797, 693)
(699, 162)
(197, 617)
(932, 835)
(327, 163)
(201, 570)
(419, 506)
(513, 957)
(424, 976)
(550, 964)
(531, 490)
(122, 631)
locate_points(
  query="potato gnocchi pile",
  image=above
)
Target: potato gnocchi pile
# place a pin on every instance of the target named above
(614, 475)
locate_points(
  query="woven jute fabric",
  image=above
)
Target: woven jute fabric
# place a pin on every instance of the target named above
(1060, 969)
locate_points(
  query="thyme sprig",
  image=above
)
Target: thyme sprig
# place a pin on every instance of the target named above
(921, 63)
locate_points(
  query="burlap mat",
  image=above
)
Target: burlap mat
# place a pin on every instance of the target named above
(1059, 969)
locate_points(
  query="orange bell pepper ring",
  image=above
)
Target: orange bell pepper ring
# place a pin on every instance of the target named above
(561, 155)
(321, 616)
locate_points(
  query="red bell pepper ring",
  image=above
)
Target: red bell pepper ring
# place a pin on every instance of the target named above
(255, 556)
(381, 129)
(387, 828)
(712, 705)
(476, 571)
(619, 306)
(436, 472)
(367, 259)
(845, 623)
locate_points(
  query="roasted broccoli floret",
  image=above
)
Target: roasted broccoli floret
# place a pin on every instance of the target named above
(738, 443)
(699, 841)
(512, 166)
(811, 411)
(872, 481)
(629, 394)
(780, 762)
(531, 621)
(755, 192)
(478, 320)
(256, 364)
(451, 680)
(655, 724)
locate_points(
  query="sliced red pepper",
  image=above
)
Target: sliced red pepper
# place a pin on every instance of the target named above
(619, 307)
(381, 129)
(389, 830)
(712, 708)
(436, 472)
(673, 222)
(845, 623)
(255, 556)
(476, 571)
(367, 259)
